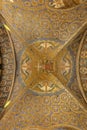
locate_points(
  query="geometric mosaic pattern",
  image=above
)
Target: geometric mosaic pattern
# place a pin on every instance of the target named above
(50, 43)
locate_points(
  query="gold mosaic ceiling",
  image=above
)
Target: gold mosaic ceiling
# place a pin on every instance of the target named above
(43, 65)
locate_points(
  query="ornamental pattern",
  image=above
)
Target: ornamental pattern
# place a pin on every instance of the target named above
(41, 29)
(47, 24)
(41, 65)
(7, 66)
(82, 56)
(64, 4)
(45, 112)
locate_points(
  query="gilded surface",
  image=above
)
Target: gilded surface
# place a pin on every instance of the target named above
(37, 67)
(50, 41)
(7, 65)
(44, 112)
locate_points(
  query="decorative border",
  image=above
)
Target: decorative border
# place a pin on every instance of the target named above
(78, 67)
(7, 30)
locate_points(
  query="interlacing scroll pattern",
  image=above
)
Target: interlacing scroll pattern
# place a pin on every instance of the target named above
(44, 112)
(49, 53)
(39, 111)
(51, 70)
(74, 86)
(46, 23)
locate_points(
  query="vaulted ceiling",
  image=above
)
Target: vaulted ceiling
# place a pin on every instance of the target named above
(43, 65)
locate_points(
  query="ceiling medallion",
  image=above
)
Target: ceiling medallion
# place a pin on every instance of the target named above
(39, 67)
